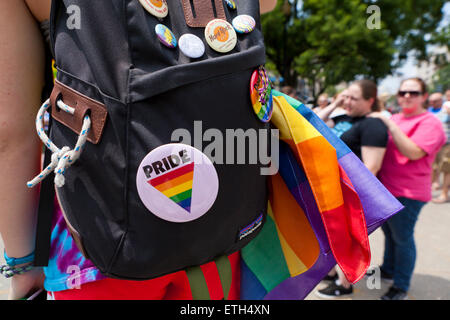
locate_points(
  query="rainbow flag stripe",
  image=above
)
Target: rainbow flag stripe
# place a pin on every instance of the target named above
(177, 185)
(323, 204)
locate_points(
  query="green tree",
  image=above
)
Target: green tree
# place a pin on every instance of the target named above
(413, 24)
(330, 41)
(441, 79)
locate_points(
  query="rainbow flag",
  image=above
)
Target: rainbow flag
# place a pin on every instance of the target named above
(323, 204)
(177, 185)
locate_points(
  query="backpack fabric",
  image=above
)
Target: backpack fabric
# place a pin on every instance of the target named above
(137, 93)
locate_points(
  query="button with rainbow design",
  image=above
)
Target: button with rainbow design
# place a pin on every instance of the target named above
(166, 36)
(231, 4)
(177, 182)
(158, 8)
(244, 23)
(261, 94)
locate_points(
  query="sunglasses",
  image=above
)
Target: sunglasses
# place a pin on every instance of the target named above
(411, 93)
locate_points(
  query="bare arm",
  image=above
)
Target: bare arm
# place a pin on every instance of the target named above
(267, 5)
(21, 82)
(372, 158)
(405, 145)
(325, 112)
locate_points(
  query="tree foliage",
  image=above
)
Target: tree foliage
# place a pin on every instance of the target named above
(441, 80)
(330, 41)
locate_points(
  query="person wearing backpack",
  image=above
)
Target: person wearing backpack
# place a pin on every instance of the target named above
(23, 76)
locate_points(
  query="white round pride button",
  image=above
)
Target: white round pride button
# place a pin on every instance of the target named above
(177, 182)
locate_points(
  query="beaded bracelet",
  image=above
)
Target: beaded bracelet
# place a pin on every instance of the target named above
(9, 271)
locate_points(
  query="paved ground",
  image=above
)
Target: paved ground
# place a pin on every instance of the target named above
(431, 279)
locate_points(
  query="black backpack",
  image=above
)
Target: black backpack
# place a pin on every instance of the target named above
(139, 94)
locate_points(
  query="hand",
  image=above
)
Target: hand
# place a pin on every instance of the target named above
(446, 107)
(387, 121)
(26, 283)
(340, 98)
(379, 115)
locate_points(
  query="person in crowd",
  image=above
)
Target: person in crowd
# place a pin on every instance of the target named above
(447, 95)
(367, 137)
(334, 114)
(339, 110)
(415, 137)
(383, 98)
(290, 91)
(322, 102)
(435, 101)
(442, 163)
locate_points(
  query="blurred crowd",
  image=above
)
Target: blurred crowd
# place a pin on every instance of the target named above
(404, 141)
(437, 103)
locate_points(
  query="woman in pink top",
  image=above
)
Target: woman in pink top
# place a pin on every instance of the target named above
(415, 136)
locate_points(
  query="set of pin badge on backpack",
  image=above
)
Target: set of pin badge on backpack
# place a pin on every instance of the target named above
(221, 36)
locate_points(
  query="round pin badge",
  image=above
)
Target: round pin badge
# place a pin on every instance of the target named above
(177, 182)
(191, 45)
(231, 4)
(261, 95)
(166, 36)
(220, 35)
(158, 8)
(244, 23)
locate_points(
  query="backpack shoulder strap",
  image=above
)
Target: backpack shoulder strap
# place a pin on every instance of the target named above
(45, 216)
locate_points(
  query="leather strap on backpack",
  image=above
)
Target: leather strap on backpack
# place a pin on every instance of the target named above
(83, 105)
(199, 12)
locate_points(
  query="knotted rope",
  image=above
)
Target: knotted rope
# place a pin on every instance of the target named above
(61, 158)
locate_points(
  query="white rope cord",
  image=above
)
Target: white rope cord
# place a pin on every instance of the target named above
(65, 107)
(61, 158)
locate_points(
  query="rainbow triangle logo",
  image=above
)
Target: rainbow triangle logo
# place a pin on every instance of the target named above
(177, 185)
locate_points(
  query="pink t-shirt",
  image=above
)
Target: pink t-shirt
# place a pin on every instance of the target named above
(412, 178)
